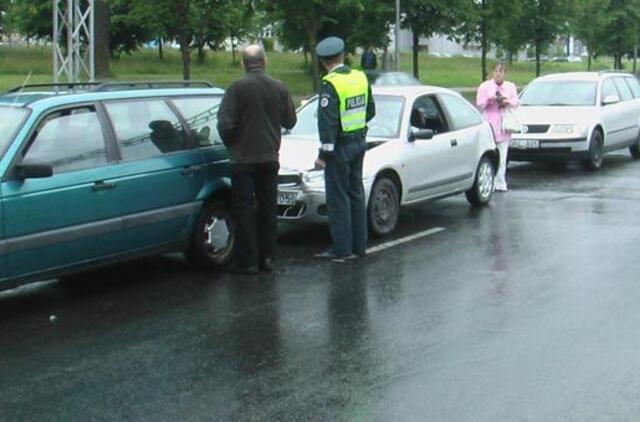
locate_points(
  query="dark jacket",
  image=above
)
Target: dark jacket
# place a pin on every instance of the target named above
(329, 127)
(252, 114)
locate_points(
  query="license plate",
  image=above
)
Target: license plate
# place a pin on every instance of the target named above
(524, 143)
(286, 198)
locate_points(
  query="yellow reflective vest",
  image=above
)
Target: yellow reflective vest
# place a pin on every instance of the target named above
(353, 93)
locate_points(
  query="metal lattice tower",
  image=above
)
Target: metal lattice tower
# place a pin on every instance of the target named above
(73, 40)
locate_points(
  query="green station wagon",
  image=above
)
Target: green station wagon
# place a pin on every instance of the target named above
(100, 173)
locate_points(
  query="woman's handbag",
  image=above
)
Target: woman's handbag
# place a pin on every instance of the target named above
(510, 123)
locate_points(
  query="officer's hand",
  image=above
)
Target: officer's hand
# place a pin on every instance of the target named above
(319, 164)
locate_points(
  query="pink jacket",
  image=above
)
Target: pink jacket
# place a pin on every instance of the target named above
(490, 108)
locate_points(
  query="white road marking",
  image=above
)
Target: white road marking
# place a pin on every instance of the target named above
(402, 240)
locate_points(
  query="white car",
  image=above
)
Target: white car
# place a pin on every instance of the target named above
(424, 143)
(578, 116)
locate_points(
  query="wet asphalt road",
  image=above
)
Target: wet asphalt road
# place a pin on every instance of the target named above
(524, 311)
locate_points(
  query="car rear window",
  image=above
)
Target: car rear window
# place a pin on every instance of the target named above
(560, 93)
(634, 85)
(623, 88)
(11, 120)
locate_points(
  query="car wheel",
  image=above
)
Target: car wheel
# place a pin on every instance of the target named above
(213, 238)
(482, 189)
(635, 148)
(594, 162)
(384, 207)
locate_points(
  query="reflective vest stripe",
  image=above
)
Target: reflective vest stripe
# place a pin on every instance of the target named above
(353, 92)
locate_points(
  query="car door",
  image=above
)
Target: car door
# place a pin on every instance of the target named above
(69, 217)
(200, 114)
(429, 162)
(158, 176)
(629, 111)
(615, 126)
(465, 122)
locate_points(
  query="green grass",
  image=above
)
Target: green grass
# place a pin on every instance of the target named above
(16, 63)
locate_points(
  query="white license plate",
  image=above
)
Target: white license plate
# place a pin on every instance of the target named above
(524, 143)
(286, 198)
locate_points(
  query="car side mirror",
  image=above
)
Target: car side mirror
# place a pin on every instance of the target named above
(610, 99)
(416, 134)
(33, 170)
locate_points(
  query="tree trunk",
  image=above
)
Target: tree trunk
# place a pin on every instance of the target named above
(102, 38)
(414, 49)
(537, 59)
(589, 62)
(315, 63)
(160, 48)
(186, 58)
(201, 53)
(233, 49)
(635, 58)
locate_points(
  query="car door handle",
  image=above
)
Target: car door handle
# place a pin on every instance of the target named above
(100, 185)
(454, 142)
(189, 170)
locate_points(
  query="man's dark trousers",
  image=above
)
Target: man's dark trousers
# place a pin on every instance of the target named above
(345, 197)
(254, 190)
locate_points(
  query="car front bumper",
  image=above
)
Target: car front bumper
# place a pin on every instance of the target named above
(549, 149)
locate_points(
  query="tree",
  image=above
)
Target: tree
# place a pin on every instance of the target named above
(302, 23)
(542, 20)
(589, 24)
(31, 18)
(622, 28)
(428, 18)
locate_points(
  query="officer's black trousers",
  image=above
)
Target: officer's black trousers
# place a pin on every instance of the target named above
(254, 193)
(345, 198)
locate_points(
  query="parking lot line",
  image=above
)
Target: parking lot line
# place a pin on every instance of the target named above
(402, 240)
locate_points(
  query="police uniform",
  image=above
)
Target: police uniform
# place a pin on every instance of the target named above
(345, 105)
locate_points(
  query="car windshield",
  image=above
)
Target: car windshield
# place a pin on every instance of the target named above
(385, 124)
(11, 120)
(560, 93)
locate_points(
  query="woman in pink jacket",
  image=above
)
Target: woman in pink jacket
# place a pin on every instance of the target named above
(493, 97)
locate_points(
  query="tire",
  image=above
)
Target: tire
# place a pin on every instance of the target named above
(213, 239)
(384, 207)
(594, 162)
(635, 148)
(480, 193)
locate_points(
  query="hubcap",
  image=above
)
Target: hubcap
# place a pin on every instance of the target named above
(216, 235)
(485, 180)
(384, 208)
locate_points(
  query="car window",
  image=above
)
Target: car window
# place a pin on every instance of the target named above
(201, 115)
(385, 124)
(623, 88)
(634, 85)
(145, 129)
(426, 114)
(11, 120)
(70, 139)
(461, 114)
(608, 89)
(559, 93)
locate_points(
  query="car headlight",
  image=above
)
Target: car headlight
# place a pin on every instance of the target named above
(313, 176)
(566, 128)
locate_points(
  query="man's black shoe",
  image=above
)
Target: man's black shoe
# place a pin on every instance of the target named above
(251, 270)
(266, 265)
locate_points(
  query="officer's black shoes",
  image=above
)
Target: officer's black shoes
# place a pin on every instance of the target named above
(239, 269)
(266, 265)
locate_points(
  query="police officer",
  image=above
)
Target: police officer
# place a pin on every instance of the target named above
(344, 107)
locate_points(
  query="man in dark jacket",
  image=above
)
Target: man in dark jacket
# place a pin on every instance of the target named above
(252, 114)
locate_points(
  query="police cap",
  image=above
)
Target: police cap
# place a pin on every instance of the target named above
(330, 47)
